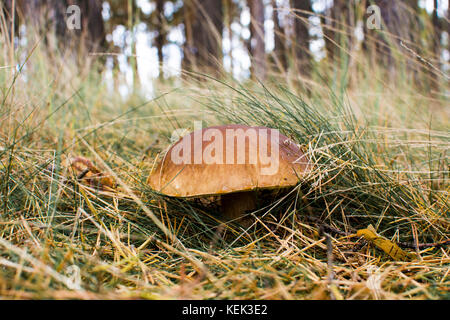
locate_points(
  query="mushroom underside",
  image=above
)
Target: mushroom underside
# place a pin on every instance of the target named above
(234, 206)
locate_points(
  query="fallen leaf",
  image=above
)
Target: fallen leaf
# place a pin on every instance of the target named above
(88, 173)
(389, 247)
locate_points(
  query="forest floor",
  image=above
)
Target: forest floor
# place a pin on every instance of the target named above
(380, 154)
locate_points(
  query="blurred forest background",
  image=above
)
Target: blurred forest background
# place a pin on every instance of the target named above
(135, 42)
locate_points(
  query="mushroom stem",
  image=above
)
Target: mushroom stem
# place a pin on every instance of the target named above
(234, 206)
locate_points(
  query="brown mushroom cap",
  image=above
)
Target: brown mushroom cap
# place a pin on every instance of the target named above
(190, 178)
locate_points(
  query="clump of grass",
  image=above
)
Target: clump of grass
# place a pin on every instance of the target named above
(385, 176)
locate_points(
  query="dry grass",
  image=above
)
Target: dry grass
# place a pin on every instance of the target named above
(380, 149)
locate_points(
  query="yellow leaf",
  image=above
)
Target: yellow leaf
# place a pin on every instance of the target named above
(391, 248)
(337, 294)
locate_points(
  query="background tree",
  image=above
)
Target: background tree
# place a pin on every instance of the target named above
(257, 42)
(338, 27)
(300, 44)
(399, 24)
(9, 18)
(231, 15)
(279, 39)
(436, 29)
(447, 23)
(47, 18)
(161, 34)
(203, 21)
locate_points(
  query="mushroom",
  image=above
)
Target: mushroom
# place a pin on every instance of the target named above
(230, 161)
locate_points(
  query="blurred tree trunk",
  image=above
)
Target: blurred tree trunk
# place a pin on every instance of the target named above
(10, 17)
(188, 62)
(399, 24)
(436, 30)
(44, 16)
(93, 35)
(133, 21)
(447, 22)
(203, 28)
(257, 43)
(280, 39)
(48, 17)
(8, 30)
(300, 43)
(161, 36)
(230, 13)
(338, 24)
